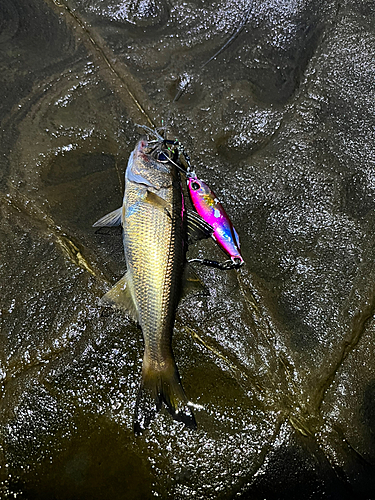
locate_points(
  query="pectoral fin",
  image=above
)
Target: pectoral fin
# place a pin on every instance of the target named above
(121, 296)
(155, 200)
(110, 220)
(198, 228)
(158, 202)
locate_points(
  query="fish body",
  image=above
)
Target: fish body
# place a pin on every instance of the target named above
(211, 210)
(154, 223)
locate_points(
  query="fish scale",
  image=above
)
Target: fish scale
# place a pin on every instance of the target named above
(150, 268)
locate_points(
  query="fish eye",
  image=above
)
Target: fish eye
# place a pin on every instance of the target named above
(195, 186)
(162, 157)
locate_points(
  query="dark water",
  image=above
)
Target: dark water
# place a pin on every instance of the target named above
(280, 356)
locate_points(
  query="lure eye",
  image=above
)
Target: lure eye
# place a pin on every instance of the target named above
(195, 186)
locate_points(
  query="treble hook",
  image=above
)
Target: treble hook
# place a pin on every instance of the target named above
(225, 266)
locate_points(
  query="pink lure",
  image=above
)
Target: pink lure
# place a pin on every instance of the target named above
(210, 209)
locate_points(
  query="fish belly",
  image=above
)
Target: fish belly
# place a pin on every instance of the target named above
(154, 258)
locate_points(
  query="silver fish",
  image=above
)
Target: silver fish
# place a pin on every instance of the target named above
(155, 235)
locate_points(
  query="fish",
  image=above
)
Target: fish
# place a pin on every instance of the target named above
(212, 211)
(156, 227)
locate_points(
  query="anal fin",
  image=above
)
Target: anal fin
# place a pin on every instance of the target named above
(121, 296)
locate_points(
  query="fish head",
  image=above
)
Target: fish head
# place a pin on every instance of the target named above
(167, 150)
(148, 166)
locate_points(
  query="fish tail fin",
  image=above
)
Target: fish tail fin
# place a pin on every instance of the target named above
(158, 387)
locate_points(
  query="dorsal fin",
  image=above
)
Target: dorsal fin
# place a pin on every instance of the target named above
(110, 220)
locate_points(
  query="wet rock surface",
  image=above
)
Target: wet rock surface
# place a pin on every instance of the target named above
(279, 357)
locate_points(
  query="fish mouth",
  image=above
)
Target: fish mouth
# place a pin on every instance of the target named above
(150, 150)
(142, 144)
(143, 149)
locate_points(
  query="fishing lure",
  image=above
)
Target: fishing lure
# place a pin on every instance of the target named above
(211, 210)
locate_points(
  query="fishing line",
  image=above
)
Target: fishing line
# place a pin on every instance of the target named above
(99, 49)
(184, 86)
